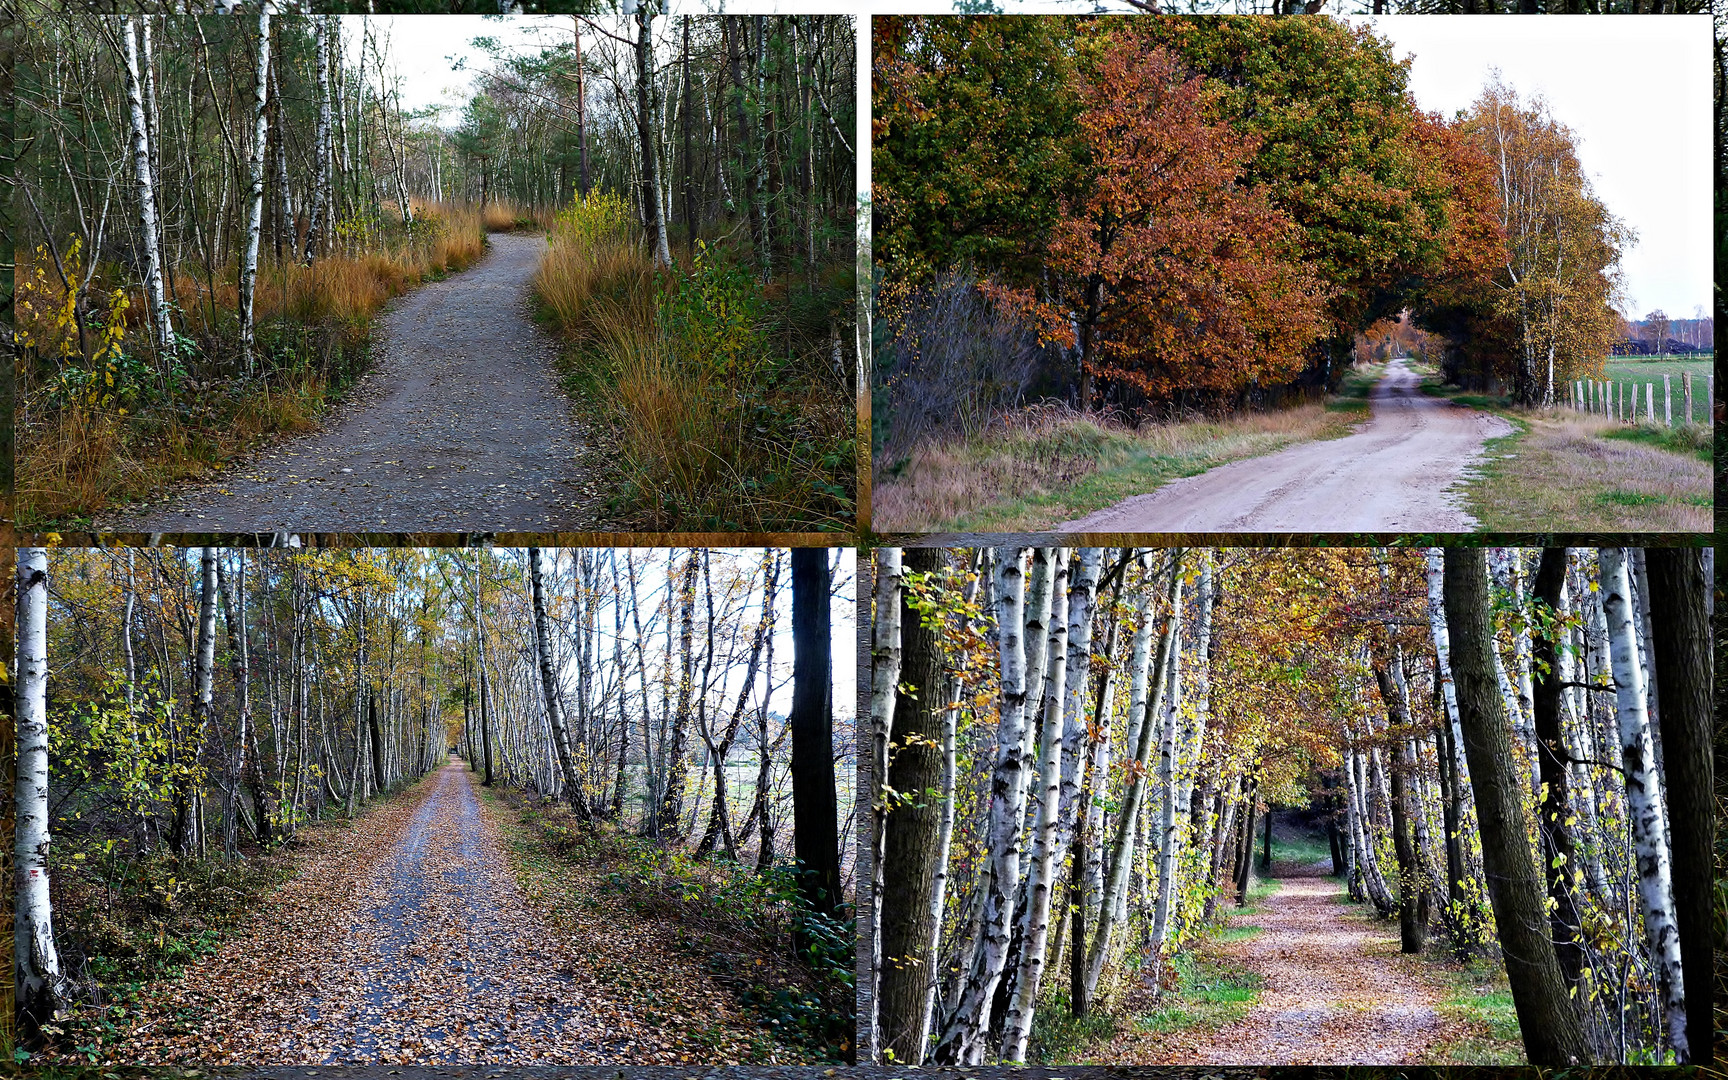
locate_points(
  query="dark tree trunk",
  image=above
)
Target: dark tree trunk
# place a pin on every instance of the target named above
(912, 829)
(377, 742)
(1245, 858)
(815, 835)
(1679, 590)
(1266, 846)
(1412, 893)
(1553, 1034)
(1559, 848)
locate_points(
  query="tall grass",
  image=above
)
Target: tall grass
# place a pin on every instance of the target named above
(724, 411)
(100, 430)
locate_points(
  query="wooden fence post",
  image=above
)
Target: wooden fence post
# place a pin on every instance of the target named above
(1667, 401)
(1686, 392)
(1649, 401)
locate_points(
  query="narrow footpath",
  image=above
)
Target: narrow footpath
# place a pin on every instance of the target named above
(1335, 990)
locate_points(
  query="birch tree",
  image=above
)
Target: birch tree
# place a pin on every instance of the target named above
(255, 188)
(38, 983)
(1644, 795)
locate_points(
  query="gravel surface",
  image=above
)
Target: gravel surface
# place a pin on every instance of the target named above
(1395, 474)
(441, 956)
(459, 426)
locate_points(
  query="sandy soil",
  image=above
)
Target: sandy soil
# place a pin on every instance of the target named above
(458, 427)
(1336, 990)
(1393, 475)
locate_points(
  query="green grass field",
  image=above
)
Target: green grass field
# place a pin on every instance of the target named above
(1632, 369)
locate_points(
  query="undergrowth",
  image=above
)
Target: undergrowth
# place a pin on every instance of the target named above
(106, 417)
(751, 932)
(727, 401)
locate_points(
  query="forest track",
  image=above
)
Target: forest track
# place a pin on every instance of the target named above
(1335, 990)
(1395, 474)
(459, 426)
(425, 953)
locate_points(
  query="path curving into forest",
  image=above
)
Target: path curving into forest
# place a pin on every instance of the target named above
(1335, 990)
(459, 426)
(1394, 474)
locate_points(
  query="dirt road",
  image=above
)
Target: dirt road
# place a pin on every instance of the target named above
(1335, 990)
(459, 426)
(424, 952)
(1393, 475)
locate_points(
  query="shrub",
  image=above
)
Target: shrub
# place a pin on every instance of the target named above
(948, 361)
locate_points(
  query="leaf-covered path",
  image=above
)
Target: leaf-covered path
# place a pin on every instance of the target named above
(405, 938)
(1335, 990)
(459, 426)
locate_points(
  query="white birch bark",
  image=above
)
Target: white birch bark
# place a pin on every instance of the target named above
(549, 691)
(1018, 1023)
(143, 171)
(647, 100)
(884, 681)
(1643, 794)
(1167, 836)
(38, 979)
(1082, 603)
(255, 190)
(324, 28)
(968, 1020)
(1122, 856)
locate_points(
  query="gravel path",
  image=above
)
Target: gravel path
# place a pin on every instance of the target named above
(407, 940)
(1396, 474)
(1335, 989)
(440, 959)
(459, 426)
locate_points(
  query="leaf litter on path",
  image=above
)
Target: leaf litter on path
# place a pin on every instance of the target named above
(1335, 990)
(405, 939)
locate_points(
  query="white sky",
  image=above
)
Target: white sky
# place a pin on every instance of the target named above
(1633, 87)
(424, 48)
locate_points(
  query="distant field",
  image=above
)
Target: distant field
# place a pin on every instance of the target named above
(1628, 369)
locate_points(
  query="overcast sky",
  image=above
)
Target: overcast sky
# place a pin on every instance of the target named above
(425, 48)
(1635, 89)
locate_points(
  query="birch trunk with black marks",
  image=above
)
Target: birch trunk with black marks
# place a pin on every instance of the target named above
(1643, 795)
(143, 171)
(1018, 1023)
(38, 981)
(255, 185)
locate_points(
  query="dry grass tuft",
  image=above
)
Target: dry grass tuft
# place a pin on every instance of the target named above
(80, 453)
(1575, 473)
(723, 414)
(1046, 464)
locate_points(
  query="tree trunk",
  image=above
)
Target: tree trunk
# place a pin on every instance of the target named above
(815, 835)
(912, 825)
(255, 190)
(1679, 590)
(143, 170)
(573, 792)
(1554, 816)
(38, 979)
(1553, 1035)
(647, 111)
(320, 226)
(967, 1023)
(1643, 795)
(1018, 1022)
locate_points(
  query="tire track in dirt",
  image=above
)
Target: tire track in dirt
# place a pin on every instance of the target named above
(1396, 474)
(460, 425)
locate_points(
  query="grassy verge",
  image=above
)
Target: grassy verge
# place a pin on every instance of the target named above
(1479, 999)
(721, 400)
(1044, 466)
(1563, 471)
(106, 420)
(622, 895)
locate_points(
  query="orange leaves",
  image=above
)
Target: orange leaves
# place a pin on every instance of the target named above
(1181, 277)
